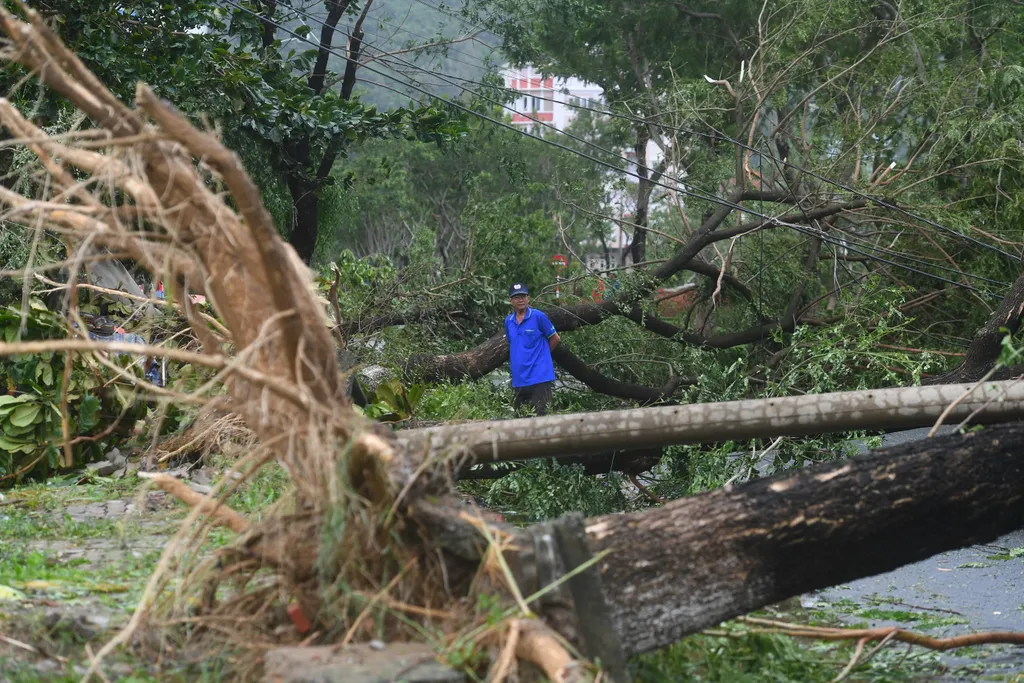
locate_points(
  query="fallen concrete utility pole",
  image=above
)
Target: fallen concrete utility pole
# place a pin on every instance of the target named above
(581, 433)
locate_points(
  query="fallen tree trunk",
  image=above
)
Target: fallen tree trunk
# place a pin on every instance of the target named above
(583, 433)
(628, 462)
(987, 343)
(699, 561)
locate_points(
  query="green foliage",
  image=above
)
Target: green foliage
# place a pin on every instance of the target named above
(465, 401)
(31, 428)
(546, 490)
(393, 401)
(737, 655)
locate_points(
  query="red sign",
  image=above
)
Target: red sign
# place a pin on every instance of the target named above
(559, 261)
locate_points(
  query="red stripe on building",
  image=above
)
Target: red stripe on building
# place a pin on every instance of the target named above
(545, 116)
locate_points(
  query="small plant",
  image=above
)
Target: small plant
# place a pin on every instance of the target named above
(393, 401)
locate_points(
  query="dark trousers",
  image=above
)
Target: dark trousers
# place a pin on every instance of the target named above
(536, 395)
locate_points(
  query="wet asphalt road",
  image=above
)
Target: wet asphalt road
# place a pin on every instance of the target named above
(970, 584)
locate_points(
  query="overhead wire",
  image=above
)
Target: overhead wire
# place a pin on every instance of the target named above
(700, 195)
(845, 241)
(717, 134)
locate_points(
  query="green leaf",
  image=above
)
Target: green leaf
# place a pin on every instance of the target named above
(386, 394)
(416, 393)
(13, 446)
(15, 431)
(88, 413)
(25, 415)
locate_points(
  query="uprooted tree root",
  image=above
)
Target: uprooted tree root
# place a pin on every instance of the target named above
(215, 430)
(348, 554)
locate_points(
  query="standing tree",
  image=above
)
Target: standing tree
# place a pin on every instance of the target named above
(252, 68)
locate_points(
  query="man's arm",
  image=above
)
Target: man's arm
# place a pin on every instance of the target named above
(549, 331)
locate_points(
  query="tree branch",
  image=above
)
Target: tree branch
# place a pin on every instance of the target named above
(335, 10)
(355, 44)
(612, 387)
(269, 26)
(987, 343)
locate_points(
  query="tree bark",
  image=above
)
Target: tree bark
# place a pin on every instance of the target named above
(638, 246)
(603, 384)
(627, 462)
(269, 27)
(987, 344)
(702, 560)
(305, 217)
(582, 433)
(471, 364)
(305, 203)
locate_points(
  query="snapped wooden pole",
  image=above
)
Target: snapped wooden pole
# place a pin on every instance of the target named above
(582, 433)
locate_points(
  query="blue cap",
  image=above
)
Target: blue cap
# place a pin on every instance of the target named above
(517, 289)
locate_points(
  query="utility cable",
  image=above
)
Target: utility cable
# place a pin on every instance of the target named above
(767, 220)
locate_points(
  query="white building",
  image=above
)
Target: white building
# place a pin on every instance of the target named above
(549, 100)
(556, 102)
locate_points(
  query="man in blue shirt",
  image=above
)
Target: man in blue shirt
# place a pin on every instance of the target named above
(531, 339)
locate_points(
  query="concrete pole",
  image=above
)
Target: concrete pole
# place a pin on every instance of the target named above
(583, 433)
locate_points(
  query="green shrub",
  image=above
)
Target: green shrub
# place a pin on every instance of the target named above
(31, 430)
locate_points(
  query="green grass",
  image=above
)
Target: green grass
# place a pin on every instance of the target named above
(34, 527)
(744, 657)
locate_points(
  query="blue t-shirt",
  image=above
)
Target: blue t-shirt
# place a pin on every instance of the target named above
(529, 351)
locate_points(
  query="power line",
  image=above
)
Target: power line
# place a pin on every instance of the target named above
(766, 220)
(717, 134)
(722, 135)
(700, 194)
(762, 215)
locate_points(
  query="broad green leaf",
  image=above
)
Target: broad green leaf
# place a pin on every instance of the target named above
(25, 415)
(15, 431)
(416, 393)
(88, 413)
(13, 446)
(386, 394)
